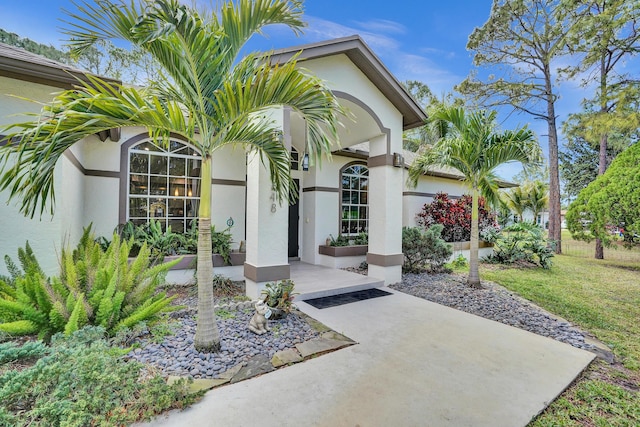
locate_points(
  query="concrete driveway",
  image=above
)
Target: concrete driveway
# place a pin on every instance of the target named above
(416, 364)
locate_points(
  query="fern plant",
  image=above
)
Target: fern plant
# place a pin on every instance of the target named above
(95, 287)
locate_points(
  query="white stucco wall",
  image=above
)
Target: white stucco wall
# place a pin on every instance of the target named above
(101, 204)
(11, 107)
(321, 209)
(46, 233)
(341, 74)
(43, 234)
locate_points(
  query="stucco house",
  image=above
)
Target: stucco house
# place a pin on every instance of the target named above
(111, 178)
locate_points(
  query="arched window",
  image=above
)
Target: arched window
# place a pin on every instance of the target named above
(164, 184)
(355, 200)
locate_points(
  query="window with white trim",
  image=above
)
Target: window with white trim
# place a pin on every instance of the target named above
(355, 200)
(164, 184)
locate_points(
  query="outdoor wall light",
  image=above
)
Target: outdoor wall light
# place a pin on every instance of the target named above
(305, 162)
(398, 160)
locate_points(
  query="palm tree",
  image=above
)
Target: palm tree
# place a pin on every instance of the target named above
(537, 198)
(516, 199)
(206, 93)
(472, 146)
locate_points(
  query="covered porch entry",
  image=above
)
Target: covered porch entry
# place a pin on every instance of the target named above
(378, 111)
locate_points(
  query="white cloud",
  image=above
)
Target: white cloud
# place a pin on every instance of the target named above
(382, 26)
(404, 65)
(321, 29)
(438, 52)
(410, 66)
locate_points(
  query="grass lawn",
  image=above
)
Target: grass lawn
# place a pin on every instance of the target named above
(603, 298)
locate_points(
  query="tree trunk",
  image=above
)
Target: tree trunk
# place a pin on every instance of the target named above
(555, 231)
(602, 167)
(207, 337)
(474, 275)
(602, 161)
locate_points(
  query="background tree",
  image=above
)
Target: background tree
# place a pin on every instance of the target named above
(472, 145)
(48, 51)
(579, 159)
(429, 133)
(520, 40)
(103, 59)
(606, 35)
(206, 93)
(611, 200)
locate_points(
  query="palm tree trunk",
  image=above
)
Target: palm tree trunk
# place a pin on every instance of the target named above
(474, 275)
(207, 337)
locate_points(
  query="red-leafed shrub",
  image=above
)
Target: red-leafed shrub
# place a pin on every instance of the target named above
(455, 216)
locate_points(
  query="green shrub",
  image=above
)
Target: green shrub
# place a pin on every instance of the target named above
(280, 294)
(221, 243)
(340, 241)
(460, 262)
(424, 250)
(11, 352)
(361, 239)
(164, 243)
(521, 242)
(94, 288)
(82, 382)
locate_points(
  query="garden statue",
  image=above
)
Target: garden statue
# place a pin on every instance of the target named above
(259, 323)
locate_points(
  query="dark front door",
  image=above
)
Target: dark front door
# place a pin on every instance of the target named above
(294, 215)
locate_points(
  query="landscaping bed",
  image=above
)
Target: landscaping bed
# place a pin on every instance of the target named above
(175, 354)
(491, 302)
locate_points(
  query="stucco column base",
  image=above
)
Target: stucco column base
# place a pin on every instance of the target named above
(385, 267)
(390, 275)
(257, 277)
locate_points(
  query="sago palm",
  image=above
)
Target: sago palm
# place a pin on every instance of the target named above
(207, 94)
(472, 145)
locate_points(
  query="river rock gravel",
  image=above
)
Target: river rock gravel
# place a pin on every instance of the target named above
(492, 302)
(176, 355)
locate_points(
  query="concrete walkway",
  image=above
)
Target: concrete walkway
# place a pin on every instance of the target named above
(417, 364)
(314, 281)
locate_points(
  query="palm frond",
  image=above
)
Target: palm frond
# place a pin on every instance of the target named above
(242, 19)
(92, 107)
(471, 145)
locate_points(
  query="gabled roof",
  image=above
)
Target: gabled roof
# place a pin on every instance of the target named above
(367, 61)
(21, 64)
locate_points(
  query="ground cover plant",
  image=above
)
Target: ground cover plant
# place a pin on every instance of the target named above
(80, 380)
(522, 242)
(94, 287)
(602, 298)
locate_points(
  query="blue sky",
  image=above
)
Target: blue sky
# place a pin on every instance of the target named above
(419, 40)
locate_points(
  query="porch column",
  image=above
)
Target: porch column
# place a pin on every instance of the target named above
(385, 212)
(267, 224)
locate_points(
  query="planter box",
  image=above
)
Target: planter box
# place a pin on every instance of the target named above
(189, 261)
(343, 251)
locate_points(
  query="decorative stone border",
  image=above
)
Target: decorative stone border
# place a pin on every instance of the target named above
(329, 341)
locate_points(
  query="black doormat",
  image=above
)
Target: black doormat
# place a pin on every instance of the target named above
(349, 297)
